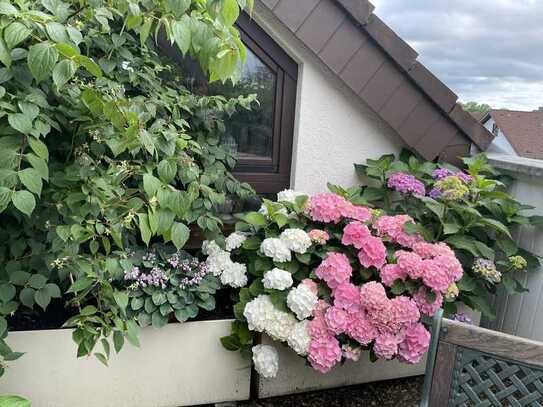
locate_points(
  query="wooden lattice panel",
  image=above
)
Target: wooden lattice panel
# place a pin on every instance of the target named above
(480, 379)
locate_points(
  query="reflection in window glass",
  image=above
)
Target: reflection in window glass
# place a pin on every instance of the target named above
(249, 134)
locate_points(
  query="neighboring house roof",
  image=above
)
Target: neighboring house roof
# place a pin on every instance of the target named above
(383, 70)
(523, 130)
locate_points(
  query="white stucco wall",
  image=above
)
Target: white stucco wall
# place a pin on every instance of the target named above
(334, 128)
(500, 144)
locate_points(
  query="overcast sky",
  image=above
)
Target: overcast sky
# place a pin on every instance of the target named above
(488, 51)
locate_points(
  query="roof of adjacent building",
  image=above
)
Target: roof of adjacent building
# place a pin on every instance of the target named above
(383, 70)
(523, 130)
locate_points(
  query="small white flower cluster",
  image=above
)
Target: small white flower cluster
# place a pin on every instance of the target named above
(276, 249)
(289, 195)
(262, 316)
(266, 360)
(296, 240)
(221, 265)
(302, 301)
(277, 279)
(234, 241)
(299, 338)
(279, 249)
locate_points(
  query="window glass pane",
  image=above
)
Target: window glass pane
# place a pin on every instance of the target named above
(249, 134)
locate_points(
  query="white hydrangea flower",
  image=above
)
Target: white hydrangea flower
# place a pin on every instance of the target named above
(277, 279)
(234, 275)
(299, 338)
(296, 240)
(210, 247)
(276, 249)
(281, 325)
(258, 312)
(218, 261)
(289, 195)
(266, 360)
(264, 211)
(235, 240)
(302, 301)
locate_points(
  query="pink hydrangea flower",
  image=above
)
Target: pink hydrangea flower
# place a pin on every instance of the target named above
(415, 344)
(336, 319)
(435, 276)
(361, 329)
(354, 234)
(390, 273)
(311, 285)
(347, 297)
(355, 212)
(430, 250)
(335, 269)
(452, 266)
(327, 207)
(324, 353)
(319, 236)
(372, 295)
(410, 263)
(373, 252)
(426, 307)
(317, 326)
(384, 318)
(392, 227)
(406, 311)
(386, 346)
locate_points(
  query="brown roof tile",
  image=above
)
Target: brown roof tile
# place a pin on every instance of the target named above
(524, 130)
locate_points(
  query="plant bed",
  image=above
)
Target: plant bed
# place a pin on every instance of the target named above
(174, 366)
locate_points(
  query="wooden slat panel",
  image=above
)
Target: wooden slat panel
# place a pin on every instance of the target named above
(437, 137)
(495, 343)
(418, 122)
(294, 13)
(320, 25)
(439, 92)
(342, 46)
(442, 377)
(400, 105)
(363, 65)
(382, 86)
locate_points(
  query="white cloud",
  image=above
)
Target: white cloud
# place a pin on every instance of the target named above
(488, 51)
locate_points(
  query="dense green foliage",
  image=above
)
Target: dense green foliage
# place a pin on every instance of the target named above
(476, 218)
(103, 149)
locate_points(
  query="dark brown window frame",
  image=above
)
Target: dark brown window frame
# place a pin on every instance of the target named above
(271, 176)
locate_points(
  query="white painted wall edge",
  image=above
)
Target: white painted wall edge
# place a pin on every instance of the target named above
(177, 365)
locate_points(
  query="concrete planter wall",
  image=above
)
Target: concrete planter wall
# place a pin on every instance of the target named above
(178, 365)
(522, 314)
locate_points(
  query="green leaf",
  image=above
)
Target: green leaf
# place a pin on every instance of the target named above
(15, 33)
(181, 32)
(37, 281)
(167, 171)
(80, 285)
(39, 148)
(463, 242)
(121, 298)
(3, 326)
(180, 234)
(27, 296)
(7, 9)
(101, 357)
(42, 298)
(255, 218)
(24, 201)
(151, 185)
(53, 290)
(132, 333)
(118, 341)
(436, 207)
(5, 54)
(56, 32)
(89, 65)
(7, 292)
(450, 228)
(20, 122)
(42, 58)
(9, 400)
(31, 179)
(231, 343)
(230, 12)
(63, 72)
(88, 311)
(496, 225)
(92, 101)
(467, 283)
(145, 229)
(38, 164)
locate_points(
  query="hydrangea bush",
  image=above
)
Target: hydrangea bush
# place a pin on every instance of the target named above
(469, 210)
(331, 279)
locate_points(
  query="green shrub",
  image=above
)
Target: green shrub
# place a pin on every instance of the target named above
(102, 149)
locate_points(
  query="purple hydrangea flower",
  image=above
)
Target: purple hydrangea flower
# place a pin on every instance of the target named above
(406, 183)
(435, 193)
(197, 271)
(464, 177)
(461, 317)
(440, 173)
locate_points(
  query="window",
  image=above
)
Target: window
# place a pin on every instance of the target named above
(495, 129)
(261, 138)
